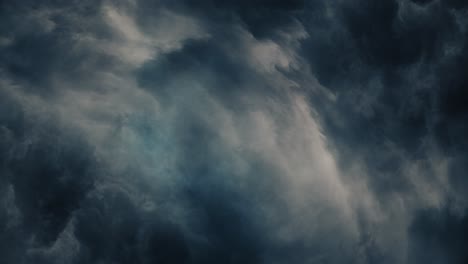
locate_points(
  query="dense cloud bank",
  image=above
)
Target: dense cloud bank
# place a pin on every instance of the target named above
(265, 131)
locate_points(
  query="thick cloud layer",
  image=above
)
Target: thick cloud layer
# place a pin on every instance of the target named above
(136, 131)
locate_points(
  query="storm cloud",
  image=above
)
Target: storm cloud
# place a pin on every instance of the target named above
(266, 131)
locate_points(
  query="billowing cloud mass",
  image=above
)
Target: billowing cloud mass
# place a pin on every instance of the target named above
(267, 131)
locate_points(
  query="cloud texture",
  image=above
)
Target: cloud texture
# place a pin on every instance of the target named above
(135, 131)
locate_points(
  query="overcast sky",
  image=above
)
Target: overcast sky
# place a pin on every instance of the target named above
(248, 131)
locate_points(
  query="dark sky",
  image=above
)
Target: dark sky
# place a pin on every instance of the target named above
(250, 131)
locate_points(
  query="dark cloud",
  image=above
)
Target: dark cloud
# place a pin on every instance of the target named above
(233, 131)
(41, 39)
(47, 170)
(439, 236)
(202, 60)
(389, 64)
(422, 2)
(261, 17)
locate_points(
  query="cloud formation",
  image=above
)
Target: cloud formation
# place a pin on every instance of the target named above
(136, 131)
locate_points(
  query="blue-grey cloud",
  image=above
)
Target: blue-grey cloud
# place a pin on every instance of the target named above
(233, 131)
